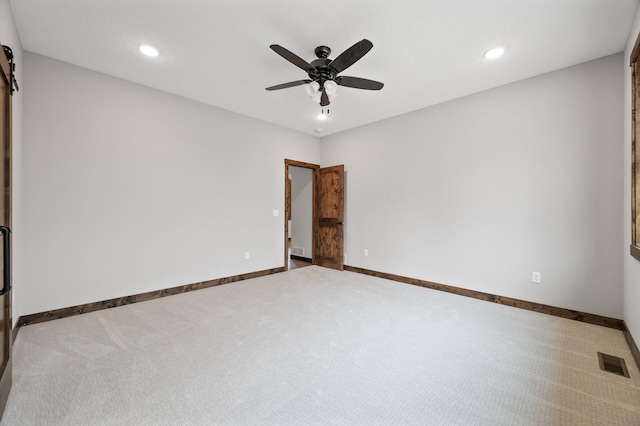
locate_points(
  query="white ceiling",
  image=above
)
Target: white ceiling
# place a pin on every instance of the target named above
(425, 51)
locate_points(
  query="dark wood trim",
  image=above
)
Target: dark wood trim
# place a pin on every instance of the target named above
(287, 205)
(301, 258)
(7, 189)
(632, 344)
(4, 66)
(635, 150)
(516, 303)
(536, 307)
(287, 213)
(127, 300)
(301, 164)
(635, 53)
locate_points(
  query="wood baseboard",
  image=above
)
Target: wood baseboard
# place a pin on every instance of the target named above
(127, 300)
(516, 303)
(301, 258)
(632, 344)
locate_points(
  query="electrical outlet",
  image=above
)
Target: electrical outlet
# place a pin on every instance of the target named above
(246, 255)
(536, 277)
(366, 252)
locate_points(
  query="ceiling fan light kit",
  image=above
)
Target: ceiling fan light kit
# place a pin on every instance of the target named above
(313, 88)
(322, 84)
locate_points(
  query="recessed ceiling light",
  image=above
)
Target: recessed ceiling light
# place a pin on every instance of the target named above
(318, 130)
(322, 116)
(148, 50)
(496, 52)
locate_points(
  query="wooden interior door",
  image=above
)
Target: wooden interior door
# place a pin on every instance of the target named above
(329, 217)
(6, 323)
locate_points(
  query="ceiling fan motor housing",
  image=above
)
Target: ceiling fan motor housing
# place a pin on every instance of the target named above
(322, 71)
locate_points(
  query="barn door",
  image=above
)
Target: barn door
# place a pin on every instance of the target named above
(329, 217)
(6, 323)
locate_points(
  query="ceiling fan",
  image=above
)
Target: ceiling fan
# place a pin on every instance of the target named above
(323, 72)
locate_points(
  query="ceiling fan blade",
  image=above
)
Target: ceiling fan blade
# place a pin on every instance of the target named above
(351, 55)
(359, 83)
(324, 99)
(287, 85)
(292, 57)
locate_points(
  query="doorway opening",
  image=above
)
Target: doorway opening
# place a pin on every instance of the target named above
(299, 213)
(301, 218)
(327, 206)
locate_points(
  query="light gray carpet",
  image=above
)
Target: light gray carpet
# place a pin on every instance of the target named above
(316, 346)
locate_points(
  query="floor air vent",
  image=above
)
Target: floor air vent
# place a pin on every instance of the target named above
(613, 364)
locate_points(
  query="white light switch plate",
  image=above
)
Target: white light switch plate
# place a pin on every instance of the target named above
(536, 277)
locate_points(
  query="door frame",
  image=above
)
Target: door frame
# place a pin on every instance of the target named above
(6, 184)
(287, 207)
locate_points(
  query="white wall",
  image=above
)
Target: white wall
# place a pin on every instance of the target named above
(631, 265)
(9, 37)
(301, 208)
(481, 191)
(128, 189)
